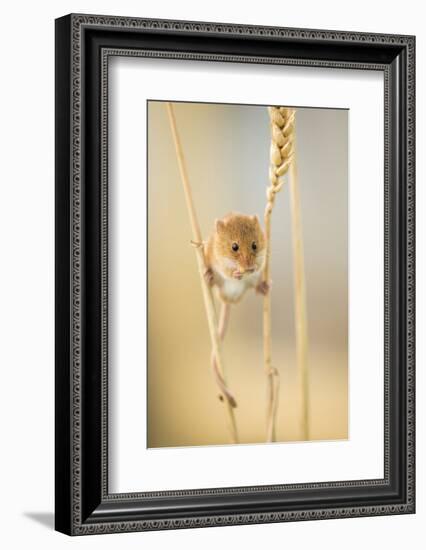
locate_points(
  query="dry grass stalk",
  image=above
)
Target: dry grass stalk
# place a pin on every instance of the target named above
(281, 157)
(301, 324)
(207, 293)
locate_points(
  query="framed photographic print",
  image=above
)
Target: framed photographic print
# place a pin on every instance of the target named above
(234, 274)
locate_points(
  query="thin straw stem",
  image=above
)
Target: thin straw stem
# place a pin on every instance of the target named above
(273, 380)
(207, 293)
(300, 298)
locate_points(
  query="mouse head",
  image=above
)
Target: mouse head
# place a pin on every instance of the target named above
(239, 245)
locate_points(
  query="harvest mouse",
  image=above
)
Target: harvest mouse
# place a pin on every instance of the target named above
(235, 256)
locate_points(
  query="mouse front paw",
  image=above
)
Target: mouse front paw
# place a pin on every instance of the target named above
(209, 276)
(263, 288)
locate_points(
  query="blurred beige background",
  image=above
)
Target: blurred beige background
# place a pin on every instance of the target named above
(227, 152)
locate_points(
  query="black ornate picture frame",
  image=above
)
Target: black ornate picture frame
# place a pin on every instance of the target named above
(84, 44)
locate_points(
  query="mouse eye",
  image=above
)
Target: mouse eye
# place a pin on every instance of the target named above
(235, 247)
(254, 246)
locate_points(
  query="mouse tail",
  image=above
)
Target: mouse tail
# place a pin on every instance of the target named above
(226, 392)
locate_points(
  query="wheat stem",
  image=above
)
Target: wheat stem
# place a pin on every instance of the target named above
(281, 156)
(300, 299)
(207, 293)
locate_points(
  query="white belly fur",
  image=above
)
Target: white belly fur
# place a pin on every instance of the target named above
(232, 290)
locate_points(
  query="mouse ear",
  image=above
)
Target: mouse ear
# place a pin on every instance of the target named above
(220, 225)
(255, 218)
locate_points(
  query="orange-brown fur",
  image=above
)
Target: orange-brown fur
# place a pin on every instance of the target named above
(225, 266)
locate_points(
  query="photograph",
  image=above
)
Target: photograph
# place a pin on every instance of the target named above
(235, 274)
(247, 274)
(212, 242)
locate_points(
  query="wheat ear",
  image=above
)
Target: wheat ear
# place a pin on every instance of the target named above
(281, 156)
(207, 293)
